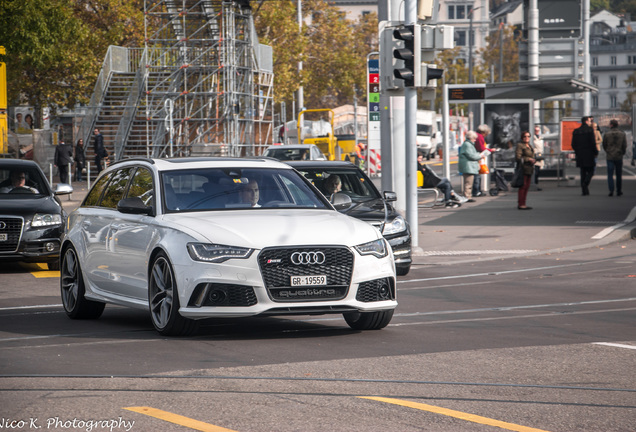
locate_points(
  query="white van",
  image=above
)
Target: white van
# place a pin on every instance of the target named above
(426, 133)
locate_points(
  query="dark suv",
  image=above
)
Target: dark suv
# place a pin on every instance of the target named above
(364, 202)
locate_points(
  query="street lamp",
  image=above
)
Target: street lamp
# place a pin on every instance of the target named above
(470, 44)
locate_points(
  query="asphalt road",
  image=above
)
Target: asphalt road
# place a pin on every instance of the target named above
(544, 343)
(539, 340)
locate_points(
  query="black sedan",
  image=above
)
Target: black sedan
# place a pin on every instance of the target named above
(363, 201)
(32, 219)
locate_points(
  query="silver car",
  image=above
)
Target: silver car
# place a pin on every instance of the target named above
(197, 238)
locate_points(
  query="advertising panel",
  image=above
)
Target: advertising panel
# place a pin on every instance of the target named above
(506, 118)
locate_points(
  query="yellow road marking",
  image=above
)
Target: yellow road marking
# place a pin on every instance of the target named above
(41, 270)
(177, 419)
(457, 414)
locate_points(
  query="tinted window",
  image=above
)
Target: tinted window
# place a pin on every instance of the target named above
(92, 199)
(141, 186)
(354, 182)
(116, 188)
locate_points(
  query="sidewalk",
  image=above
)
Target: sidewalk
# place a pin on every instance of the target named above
(561, 220)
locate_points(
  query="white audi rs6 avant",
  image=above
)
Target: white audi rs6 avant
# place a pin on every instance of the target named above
(197, 238)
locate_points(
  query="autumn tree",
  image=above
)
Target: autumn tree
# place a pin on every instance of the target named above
(55, 48)
(332, 48)
(491, 55)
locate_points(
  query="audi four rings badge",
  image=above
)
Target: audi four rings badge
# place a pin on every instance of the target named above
(301, 258)
(3, 225)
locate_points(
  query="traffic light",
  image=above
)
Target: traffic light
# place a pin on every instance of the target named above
(430, 75)
(387, 62)
(411, 53)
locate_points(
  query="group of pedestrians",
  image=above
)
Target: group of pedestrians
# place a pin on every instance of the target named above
(586, 143)
(66, 155)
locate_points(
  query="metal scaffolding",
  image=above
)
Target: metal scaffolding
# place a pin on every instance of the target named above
(202, 85)
(207, 96)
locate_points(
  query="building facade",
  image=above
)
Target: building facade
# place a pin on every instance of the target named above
(612, 61)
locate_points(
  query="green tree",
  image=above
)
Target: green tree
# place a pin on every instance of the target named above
(599, 5)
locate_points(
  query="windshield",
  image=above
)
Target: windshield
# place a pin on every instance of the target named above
(21, 182)
(288, 154)
(237, 188)
(424, 129)
(352, 182)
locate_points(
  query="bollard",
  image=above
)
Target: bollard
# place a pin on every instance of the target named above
(88, 174)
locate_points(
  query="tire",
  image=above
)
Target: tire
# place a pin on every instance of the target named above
(163, 299)
(402, 271)
(368, 320)
(54, 265)
(73, 290)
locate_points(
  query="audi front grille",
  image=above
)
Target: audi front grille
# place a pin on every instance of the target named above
(279, 265)
(10, 232)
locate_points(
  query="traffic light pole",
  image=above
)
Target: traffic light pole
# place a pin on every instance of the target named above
(410, 126)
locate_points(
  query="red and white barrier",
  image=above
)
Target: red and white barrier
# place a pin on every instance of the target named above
(375, 159)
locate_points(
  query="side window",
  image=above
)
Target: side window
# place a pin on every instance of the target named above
(92, 199)
(141, 186)
(116, 188)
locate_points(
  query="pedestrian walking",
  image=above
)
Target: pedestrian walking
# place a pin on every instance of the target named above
(80, 160)
(615, 146)
(524, 154)
(63, 157)
(584, 146)
(468, 163)
(100, 151)
(538, 147)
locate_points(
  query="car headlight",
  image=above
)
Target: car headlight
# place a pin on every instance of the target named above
(41, 220)
(376, 248)
(395, 226)
(217, 253)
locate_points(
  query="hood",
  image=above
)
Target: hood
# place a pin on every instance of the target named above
(372, 210)
(26, 207)
(260, 228)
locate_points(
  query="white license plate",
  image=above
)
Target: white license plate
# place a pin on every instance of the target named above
(309, 280)
(4, 237)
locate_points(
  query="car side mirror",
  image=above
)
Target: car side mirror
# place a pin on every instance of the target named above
(340, 200)
(390, 196)
(63, 189)
(134, 206)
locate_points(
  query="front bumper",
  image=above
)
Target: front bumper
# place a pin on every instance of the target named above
(237, 288)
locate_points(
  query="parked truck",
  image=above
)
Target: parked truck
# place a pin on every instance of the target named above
(321, 133)
(427, 132)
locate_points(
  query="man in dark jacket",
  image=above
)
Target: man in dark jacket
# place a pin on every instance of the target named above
(432, 180)
(100, 151)
(615, 146)
(63, 157)
(584, 146)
